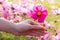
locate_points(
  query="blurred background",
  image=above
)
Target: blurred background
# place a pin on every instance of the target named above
(53, 18)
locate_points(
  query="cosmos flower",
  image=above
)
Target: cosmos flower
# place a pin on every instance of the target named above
(13, 7)
(58, 32)
(57, 37)
(3, 2)
(46, 24)
(45, 37)
(39, 13)
(17, 19)
(55, 10)
(5, 14)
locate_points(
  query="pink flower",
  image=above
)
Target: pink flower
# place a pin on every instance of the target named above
(58, 32)
(18, 19)
(55, 10)
(57, 37)
(15, 17)
(46, 36)
(39, 13)
(1, 9)
(3, 2)
(46, 24)
(11, 7)
(5, 14)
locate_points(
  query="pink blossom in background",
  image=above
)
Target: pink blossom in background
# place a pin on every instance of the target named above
(13, 7)
(45, 37)
(58, 11)
(3, 6)
(46, 24)
(6, 15)
(15, 17)
(25, 6)
(39, 13)
(1, 9)
(55, 10)
(18, 19)
(57, 37)
(26, 3)
(4, 12)
(58, 32)
(3, 2)
(9, 9)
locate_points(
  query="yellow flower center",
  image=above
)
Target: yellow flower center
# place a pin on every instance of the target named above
(39, 13)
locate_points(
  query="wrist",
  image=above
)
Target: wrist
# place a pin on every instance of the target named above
(13, 30)
(8, 26)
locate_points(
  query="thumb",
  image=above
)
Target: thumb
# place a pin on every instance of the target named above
(32, 22)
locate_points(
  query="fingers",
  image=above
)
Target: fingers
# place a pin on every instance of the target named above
(35, 33)
(37, 27)
(33, 23)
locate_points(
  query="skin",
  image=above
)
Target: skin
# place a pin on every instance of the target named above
(26, 27)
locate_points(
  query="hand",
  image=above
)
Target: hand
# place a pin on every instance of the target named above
(29, 27)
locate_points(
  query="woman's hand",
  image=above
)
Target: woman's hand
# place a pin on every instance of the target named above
(29, 27)
(26, 27)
